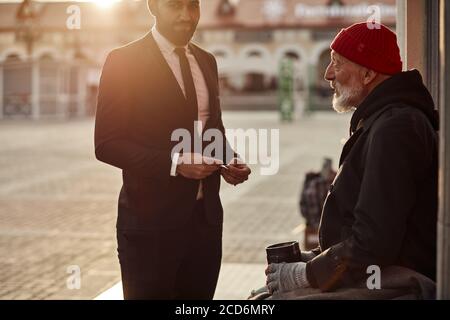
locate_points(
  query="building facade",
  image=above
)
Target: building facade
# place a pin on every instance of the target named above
(51, 53)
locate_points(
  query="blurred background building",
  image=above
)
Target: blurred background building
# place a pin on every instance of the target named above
(51, 53)
(54, 194)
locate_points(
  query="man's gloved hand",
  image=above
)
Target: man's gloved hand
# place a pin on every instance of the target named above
(283, 277)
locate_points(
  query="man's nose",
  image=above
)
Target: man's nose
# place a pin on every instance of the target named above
(329, 73)
(185, 14)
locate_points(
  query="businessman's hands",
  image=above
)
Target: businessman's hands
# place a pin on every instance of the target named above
(195, 166)
(236, 172)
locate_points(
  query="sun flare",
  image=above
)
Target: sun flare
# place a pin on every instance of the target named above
(105, 3)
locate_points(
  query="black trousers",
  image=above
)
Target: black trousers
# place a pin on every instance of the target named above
(171, 264)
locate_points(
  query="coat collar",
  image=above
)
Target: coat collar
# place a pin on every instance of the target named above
(363, 125)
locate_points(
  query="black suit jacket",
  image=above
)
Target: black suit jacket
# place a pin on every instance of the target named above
(139, 105)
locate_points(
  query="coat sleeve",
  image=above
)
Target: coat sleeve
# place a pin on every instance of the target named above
(113, 144)
(397, 157)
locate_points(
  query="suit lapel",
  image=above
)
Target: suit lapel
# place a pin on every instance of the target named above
(161, 69)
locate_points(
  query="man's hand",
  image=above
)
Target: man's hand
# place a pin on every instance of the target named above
(236, 172)
(283, 277)
(195, 166)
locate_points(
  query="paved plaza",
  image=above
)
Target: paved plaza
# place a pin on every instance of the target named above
(58, 206)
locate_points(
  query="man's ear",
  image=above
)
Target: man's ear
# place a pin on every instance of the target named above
(153, 7)
(369, 76)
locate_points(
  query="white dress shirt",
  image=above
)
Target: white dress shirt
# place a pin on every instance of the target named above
(167, 49)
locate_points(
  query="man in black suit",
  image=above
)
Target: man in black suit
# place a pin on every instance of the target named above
(169, 226)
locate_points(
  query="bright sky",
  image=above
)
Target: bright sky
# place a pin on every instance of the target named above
(64, 0)
(101, 3)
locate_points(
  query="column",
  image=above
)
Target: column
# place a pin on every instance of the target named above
(411, 30)
(401, 29)
(81, 101)
(35, 91)
(2, 98)
(443, 242)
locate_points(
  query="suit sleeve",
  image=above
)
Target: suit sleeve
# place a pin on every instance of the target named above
(113, 144)
(396, 154)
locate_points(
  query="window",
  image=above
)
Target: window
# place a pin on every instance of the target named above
(16, 86)
(253, 36)
(225, 8)
(254, 54)
(292, 55)
(220, 54)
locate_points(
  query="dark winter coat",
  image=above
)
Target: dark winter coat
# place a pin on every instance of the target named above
(382, 206)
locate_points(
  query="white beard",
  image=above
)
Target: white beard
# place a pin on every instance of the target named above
(345, 101)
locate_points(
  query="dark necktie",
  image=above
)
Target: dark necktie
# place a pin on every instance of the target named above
(189, 87)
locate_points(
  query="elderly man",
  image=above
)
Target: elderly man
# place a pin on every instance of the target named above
(381, 208)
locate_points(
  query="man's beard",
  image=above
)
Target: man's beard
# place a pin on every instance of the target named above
(345, 101)
(179, 37)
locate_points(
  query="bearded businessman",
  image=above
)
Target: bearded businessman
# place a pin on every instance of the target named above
(169, 226)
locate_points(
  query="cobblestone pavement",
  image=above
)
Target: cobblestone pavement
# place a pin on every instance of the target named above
(58, 205)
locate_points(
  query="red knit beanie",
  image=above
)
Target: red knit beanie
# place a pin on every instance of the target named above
(375, 48)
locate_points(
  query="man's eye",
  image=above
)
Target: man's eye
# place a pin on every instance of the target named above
(195, 5)
(175, 5)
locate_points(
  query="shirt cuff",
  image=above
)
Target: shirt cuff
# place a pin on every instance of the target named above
(173, 169)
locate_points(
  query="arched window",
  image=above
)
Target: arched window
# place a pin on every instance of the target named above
(12, 58)
(16, 86)
(254, 54)
(254, 82)
(48, 84)
(79, 55)
(220, 54)
(335, 3)
(292, 55)
(226, 8)
(46, 57)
